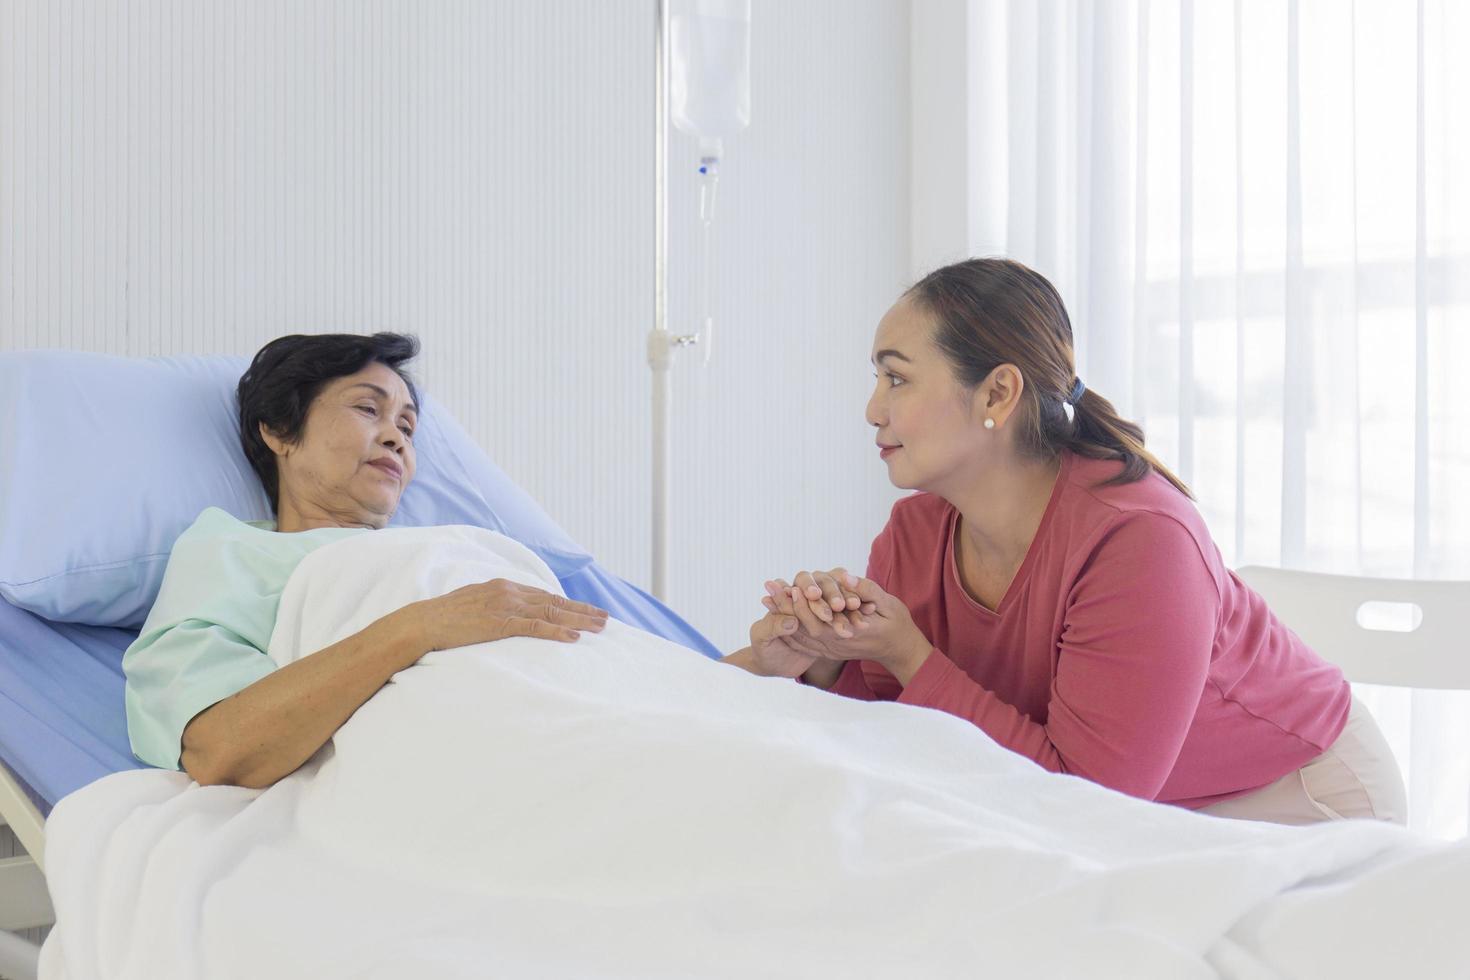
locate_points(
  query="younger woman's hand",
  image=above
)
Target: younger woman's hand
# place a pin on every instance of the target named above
(825, 596)
(887, 636)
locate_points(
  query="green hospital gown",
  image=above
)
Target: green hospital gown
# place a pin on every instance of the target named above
(206, 636)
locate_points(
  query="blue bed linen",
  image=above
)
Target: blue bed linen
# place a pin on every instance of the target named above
(61, 703)
(632, 605)
(62, 723)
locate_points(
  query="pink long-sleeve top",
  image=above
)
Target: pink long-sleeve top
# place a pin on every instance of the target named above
(1123, 651)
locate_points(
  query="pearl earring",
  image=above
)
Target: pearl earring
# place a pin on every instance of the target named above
(990, 423)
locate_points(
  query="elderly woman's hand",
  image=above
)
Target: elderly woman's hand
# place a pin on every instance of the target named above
(771, 652)
(500, 608)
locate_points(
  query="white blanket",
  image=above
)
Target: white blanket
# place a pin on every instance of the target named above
(623, 807)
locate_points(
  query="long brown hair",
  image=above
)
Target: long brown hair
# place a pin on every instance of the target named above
(995, 311)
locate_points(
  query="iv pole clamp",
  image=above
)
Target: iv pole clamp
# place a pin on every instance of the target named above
(661, 346)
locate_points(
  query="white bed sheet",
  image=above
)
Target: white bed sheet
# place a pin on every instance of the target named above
(624, 807)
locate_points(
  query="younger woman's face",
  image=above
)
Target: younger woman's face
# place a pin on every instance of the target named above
(929, 433)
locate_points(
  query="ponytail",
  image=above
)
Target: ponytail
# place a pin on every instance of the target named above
(1099, 432)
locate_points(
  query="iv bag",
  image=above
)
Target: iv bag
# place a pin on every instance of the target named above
(710, 71)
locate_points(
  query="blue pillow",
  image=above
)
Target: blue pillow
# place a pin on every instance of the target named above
(104, 461)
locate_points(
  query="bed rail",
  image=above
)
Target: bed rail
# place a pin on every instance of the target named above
(25, 821)
(24, 900)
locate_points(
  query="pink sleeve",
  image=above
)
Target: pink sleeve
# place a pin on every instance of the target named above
(852, 684)
(1133, 658)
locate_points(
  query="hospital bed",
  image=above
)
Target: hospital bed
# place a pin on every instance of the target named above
(92, 492)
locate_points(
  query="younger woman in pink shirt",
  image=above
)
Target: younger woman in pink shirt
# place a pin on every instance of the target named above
(1054, 584)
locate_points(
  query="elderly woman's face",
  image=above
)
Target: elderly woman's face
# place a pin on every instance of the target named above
(355, 455)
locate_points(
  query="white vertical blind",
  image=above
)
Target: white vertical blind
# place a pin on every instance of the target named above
(1132, 404)
(1242, 473)
(1296, 395)
(1421, 309)
(1186, 242)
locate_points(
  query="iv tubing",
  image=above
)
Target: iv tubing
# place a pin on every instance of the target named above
(708, 184)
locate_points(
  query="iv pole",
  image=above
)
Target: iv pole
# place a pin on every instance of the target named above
(661, 343)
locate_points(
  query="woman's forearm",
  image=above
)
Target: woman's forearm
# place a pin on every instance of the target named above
(741, 658)
(267, 730)
(821, 674)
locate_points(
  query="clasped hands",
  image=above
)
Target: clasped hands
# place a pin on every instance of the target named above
(828, 618)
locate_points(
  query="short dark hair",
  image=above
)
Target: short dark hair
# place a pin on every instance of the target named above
(287, 375)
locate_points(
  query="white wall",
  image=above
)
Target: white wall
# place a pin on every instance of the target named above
(959, 182)
(178, 177)
(941, 99)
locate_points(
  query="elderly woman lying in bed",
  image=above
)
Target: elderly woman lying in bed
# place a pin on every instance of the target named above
(327, 421)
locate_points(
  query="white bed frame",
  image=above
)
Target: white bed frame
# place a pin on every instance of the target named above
(24, 903)
(24, 900)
